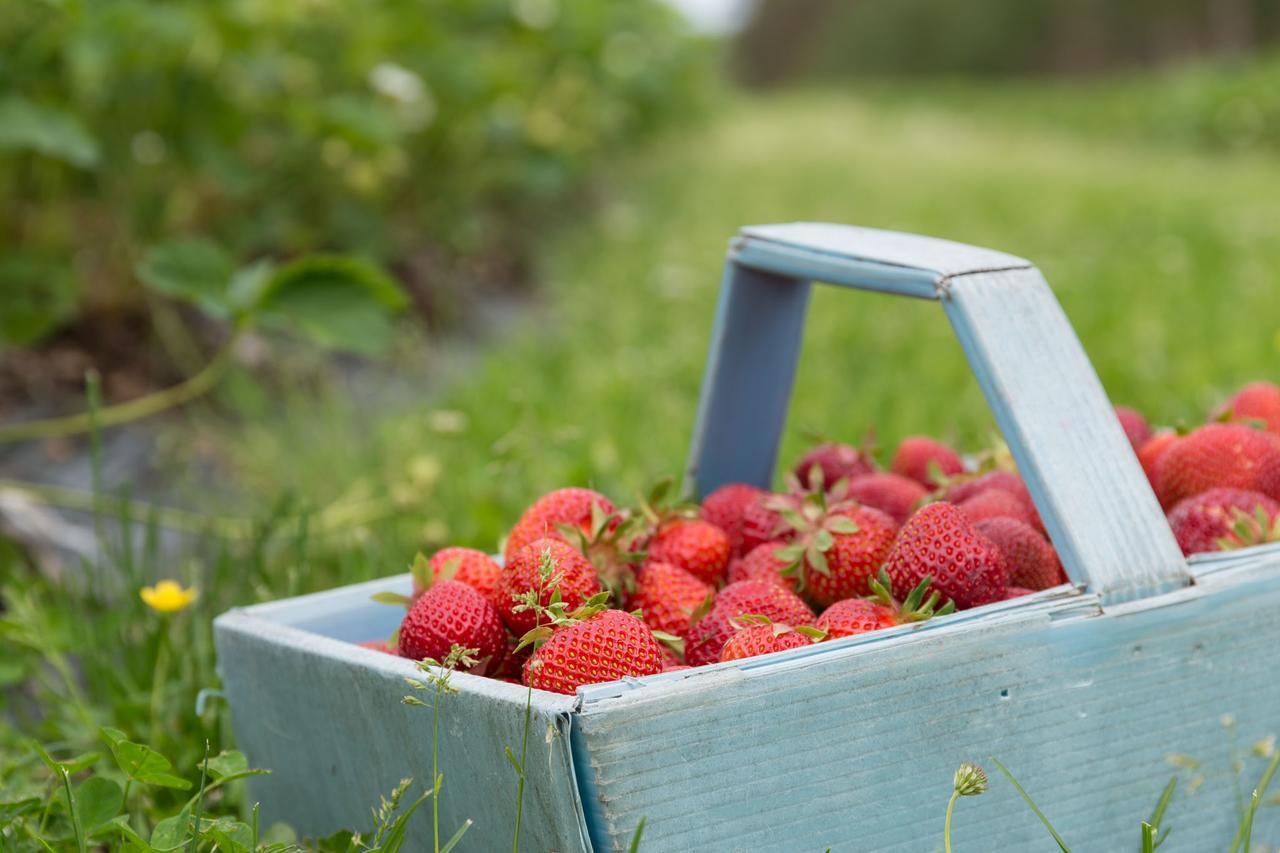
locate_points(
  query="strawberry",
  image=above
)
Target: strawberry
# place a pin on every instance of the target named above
(855, 616)
(893, 494)
(725, 508)
(698, 547)
(570, 507)
(939, 543)
(1220, 519)
(764, 564)
(1257, 401)
(711, 632)
(962, 489)
(1017, 592)
(448, 614)
(1030, 559)
(761, 522)
(668, 596)
(836, 550)
(1153, 450)
(380, 646)
(835, 462)
(918, 456)
(760, 635)
(1219, 455)
(1135, 426)
(609, 645)
(545, 565)
(465, 565)
(994, 503)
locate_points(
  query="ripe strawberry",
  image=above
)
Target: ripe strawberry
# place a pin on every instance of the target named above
(760, 635)
(938, 542)
(465, 565)
(994, 503)
(917, 457)
(1030, 559)
(761, 522)
(1257, 401)
(725, 508)
(711, 632)
(764, 564)
(1153, 450)
(380, 646)
(837, 550)
(571, 507)
(1219, 455)
(698, 547)
(452, 613)
(1208, 521)
(610, 645)
(836, 462)
(1017, 592)
(668, 596)
(1135, 426)
(856, 616)
(962, 489)
(893, 494)
(570, 572)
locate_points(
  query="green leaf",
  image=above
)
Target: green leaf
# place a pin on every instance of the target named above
(120, 824)
(515, 764)
(171, 833)
(11, 811)
(334, 301)
(98, 800)
(395, 598)
(142, 763)
(247, 285)
(194, 270)
(229, 762)
(842, 524)
(40, 294)
(25, 126)
(457, 837)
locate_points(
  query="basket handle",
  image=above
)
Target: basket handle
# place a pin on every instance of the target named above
(1047, 400)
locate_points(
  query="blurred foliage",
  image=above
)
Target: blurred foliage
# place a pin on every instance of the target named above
(806, 39)
(386, 128)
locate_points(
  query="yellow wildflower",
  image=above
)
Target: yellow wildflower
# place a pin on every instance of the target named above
(168, 596)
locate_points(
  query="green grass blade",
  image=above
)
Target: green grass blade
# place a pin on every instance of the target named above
(1148, 838)
(1162, 805)
(635, 838)
(1244, 832)
(1062, 845)
(457, 836)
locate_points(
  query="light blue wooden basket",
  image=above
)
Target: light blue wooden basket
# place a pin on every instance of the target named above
(1083, 690)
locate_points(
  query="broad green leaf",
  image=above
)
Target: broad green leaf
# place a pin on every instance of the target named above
(195, 270)
(230, 834)
(227, 763)
(97, 801)
(172, 832)
(25, 126)
(40, 294)
(120, 824)
(337, 302)
(248, 284)
(142, 763)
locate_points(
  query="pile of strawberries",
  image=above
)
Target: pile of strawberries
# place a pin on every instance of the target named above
(588, 592)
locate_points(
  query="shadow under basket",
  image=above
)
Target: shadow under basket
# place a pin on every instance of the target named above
(1083, 691)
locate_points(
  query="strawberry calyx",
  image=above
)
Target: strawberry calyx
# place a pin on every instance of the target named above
(671, 641)
(609, 543)
(812, 527)
(916, 607)
(556, 615)
(1249, 530)
(748, 620)
(660, 507)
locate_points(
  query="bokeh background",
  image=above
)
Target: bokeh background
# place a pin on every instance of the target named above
(380, 273)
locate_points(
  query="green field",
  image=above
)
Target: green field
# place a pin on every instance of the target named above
(1164, 256)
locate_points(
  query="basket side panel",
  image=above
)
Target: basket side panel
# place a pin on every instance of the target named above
(855, 749)
(326, 718)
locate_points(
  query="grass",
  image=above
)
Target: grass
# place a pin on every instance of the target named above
(1164, 258)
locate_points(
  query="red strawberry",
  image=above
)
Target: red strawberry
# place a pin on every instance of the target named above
(570, 506)
(839, 550)
(1257, 401)
(764, 564)
(939, 542)
(855, 616)
(668, 596)
(960, 491)
(725, 508)
(917, 457)
(1017, 592)
(698, 547)
(994, 503)
(1153, 450)
(711, 632)
(1135, 426)
(836, 462)
(892, 494)
(1202, 521)
(576, 576)
(610, 645)
(760, 521)
(1030, 559)
(465, 565)
(1219, 456)
(452, 613)
(761, 636)
(379, 646)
